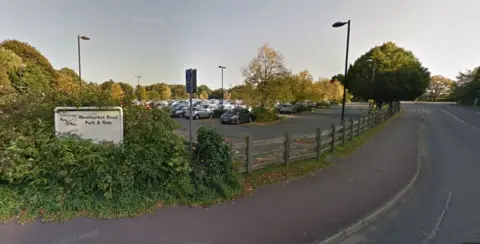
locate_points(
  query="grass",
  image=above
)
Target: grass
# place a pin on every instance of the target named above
(279, 173)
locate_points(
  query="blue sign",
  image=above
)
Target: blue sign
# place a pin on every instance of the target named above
(191, 80)
(188, 75)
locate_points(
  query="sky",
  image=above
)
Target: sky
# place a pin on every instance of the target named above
(159, 39)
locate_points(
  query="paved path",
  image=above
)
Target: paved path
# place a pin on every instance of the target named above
(303, 210)
(444, 206)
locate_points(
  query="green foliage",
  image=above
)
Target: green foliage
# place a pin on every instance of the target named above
(398, 75)
(30, 56)
(178, 91)
(467, 87)
(264, 115)
(212, 165)
(163, 90)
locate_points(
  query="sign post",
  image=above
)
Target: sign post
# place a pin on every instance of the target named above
(191, 87)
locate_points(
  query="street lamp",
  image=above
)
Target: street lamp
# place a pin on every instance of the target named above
(222, 68)
(337, 25)
(138, 86)
(85, 38)
(373, 80)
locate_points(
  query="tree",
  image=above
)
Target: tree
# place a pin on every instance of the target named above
(9, 63)
(338, 77)
(302, 86)
(468, 86)
(440, 86)
(153, 95)
(178, 91)
(116, 91)
(399, 75)
(128, 93)
(31, 56)
(217, 94)
(227, 96)
(203, 95)
(143, 94)
(107, 85)
(162, 89)
(203, 88)
(262, 73)
(68, 82)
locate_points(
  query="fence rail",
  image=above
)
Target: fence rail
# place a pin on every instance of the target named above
(287, 149)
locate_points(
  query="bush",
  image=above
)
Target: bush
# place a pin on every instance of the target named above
(212, 164)
(264, 115)
(303, 108)
(63, 175)
(151, 156)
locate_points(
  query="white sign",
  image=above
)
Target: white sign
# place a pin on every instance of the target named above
(98, 124)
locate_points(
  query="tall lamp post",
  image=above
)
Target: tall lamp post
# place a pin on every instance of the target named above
(85, 38)
(345, 82)
(138, 86)
(222, 68)
(373, 81)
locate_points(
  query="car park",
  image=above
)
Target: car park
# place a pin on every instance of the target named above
(198, 113)
(209, 107)
(236, 116)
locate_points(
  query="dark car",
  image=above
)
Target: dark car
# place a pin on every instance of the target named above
(178, 111)
(236, 116)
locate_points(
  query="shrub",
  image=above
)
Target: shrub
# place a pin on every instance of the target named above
(212, 164)
(304, 108)
(151, 156)
(264, 115)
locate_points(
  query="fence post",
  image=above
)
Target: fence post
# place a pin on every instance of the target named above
(344, 128)
(286, 145)
(351, 128)
(248, 153)
(333, 138)
(319, 142)
(358, 126)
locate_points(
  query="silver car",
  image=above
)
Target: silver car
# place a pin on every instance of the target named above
(288, 108)
(198, 113)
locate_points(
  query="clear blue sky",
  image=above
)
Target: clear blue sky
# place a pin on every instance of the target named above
(159, 39)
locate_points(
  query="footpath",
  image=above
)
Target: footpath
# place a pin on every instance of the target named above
(304, 210)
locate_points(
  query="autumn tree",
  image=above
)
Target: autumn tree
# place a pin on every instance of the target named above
(302, 86)
(116, 91)
(203, 95)
(263, 72)
(9, 63)
(440, 86)
(399, 75)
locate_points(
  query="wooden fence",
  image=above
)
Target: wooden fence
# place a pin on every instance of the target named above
(288, 149)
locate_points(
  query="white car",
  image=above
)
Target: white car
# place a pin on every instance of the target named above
(288, 108)
(209, 107)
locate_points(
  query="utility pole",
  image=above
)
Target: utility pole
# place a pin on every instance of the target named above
(223, 93)
(138, 86)
(85, 38)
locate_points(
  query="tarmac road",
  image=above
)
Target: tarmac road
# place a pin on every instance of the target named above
(444, 205)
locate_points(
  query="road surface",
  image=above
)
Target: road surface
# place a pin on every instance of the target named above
(444, 205)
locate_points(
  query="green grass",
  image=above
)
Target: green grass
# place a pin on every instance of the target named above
(279, 173)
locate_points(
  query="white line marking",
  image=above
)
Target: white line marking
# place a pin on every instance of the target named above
(439, 221)
(461, 121)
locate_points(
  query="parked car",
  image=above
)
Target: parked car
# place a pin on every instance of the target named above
(288, 108)
(178, 111)
(236, 116)
(209, 107)
(198, 113)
